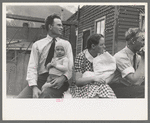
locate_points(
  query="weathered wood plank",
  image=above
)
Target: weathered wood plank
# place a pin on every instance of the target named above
(128, 16)
(132, 8)
(129, 20)
(11, 74)
(128, 23)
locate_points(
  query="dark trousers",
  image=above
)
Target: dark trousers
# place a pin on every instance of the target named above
(47, 93)
(122, 91)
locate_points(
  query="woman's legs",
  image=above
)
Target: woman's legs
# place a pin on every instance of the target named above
(102, 90)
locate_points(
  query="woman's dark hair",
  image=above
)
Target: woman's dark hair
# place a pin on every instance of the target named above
(50, 20)
(93, 39)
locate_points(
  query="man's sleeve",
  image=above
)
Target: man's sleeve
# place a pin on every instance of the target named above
(124, 65)
(33, 66)
(68, 74)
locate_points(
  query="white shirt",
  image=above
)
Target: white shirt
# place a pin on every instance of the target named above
(38, 57)
(124, 60)
(88, 56)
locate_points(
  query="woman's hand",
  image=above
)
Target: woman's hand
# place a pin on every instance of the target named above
(99, 79)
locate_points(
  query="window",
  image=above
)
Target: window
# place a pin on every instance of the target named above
(100, 26)
(142, 22)
(86, 34)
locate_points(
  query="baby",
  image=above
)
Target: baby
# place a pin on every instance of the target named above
(104, 66)
(58, 66)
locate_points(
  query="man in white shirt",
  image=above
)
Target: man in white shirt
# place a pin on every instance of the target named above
(129, 76)
(37, 73)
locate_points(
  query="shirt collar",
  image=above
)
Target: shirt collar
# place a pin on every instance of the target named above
(128, 51)
(50, 38)
(88, 55)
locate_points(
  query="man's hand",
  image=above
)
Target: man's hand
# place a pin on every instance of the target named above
(36, 92)
(46, 85)
(58, 82)
(140, 81)
(142, 52)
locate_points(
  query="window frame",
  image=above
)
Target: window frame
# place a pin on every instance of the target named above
(140, 22)
(99, 20)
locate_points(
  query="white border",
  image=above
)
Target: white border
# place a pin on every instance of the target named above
(72, 109)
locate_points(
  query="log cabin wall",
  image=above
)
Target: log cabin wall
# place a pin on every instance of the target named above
(129, 17)
(86, 21)
(117, 20)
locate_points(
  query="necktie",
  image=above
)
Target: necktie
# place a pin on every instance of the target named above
(134, 61)
(51, 52)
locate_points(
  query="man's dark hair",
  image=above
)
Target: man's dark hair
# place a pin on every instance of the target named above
(93, 39)
(50, 20)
